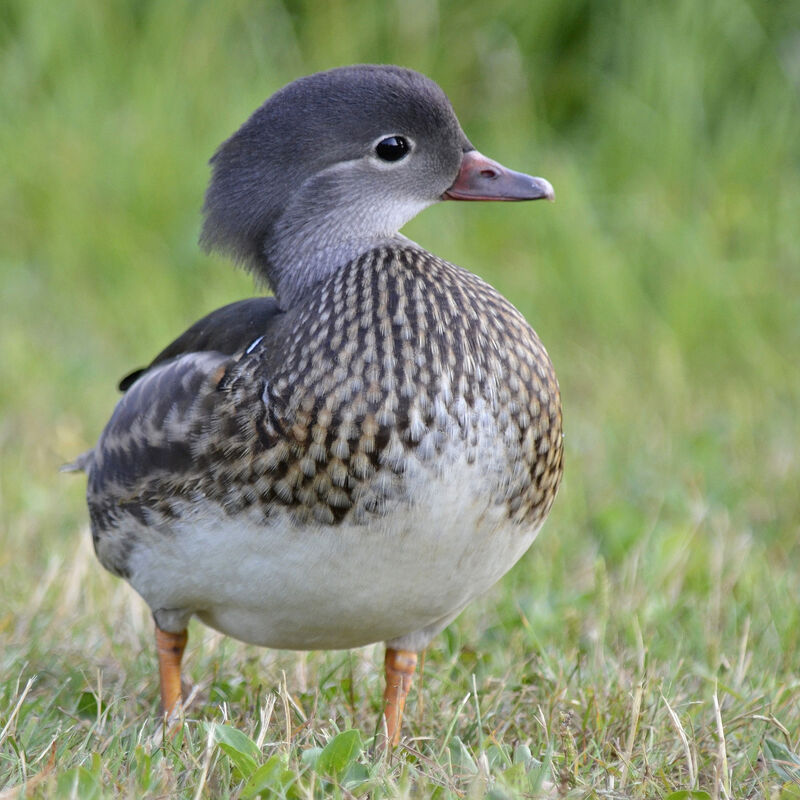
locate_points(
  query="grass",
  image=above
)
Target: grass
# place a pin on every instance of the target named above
(648, 644)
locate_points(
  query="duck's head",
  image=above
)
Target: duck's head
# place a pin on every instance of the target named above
(336, 163)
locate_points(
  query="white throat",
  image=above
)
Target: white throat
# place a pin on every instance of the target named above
(312, 240)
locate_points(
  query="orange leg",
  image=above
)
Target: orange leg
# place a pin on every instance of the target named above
(170, 652)
(400, 666)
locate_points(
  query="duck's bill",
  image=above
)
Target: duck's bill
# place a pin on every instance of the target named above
(480, 178)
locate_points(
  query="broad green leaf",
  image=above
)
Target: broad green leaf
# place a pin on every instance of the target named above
(514, 775)
(272, 775)
(688, 794)
(461, 756)
(498, 758)
(783, 761)
(356, 776)
(239, 748)
(523, 755)
(339, 753)
(233, 737)
(87, 706)
(311, 756)
(143, 763)
(79, 782)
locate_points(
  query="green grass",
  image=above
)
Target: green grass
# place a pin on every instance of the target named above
(649, 642)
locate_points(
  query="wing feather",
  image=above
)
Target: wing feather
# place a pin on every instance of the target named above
(151, 430)
(227, 330)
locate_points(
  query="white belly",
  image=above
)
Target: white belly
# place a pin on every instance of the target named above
(330, 587)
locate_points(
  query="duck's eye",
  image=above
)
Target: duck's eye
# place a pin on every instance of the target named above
(392, 148)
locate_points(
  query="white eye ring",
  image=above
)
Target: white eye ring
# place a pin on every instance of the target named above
(391, 148)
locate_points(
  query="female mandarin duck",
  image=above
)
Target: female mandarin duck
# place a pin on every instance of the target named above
(356, 458)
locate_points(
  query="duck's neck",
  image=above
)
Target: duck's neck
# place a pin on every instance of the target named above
(317, 233)
(298, 256)
(294, 266)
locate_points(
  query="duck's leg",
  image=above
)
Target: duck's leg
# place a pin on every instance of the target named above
(399, 666)
(170, 648)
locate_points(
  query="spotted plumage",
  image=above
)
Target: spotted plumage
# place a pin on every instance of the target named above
(396, 355)
(357, 458)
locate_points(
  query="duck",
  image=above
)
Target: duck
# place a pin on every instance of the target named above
(356, 457)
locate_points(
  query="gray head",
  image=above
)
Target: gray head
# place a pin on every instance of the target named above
(336, 163)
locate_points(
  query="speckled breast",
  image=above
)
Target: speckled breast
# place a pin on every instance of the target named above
(399, 364)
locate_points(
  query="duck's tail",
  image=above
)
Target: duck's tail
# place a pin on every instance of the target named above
(80, 464)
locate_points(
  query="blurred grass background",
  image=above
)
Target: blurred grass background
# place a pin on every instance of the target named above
(665, 283)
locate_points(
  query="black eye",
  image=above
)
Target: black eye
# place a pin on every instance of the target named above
(392, 148)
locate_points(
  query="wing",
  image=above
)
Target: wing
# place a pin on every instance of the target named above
(144, 459)
(227, 330)
(152, 457)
